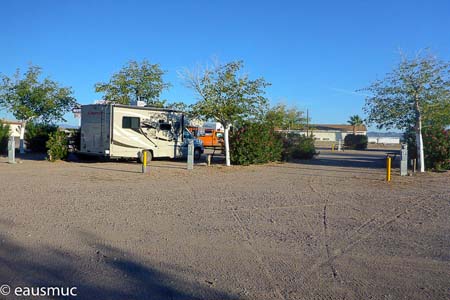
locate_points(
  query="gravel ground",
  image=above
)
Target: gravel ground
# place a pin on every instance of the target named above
(331, 228)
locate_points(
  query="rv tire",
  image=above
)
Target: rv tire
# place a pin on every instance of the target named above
(149, 157)
(197, 153)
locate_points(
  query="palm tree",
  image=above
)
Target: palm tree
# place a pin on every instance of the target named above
(355, 121)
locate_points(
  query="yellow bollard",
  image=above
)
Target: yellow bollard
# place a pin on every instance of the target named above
(388, 169)
(332, 147)
(144, 161)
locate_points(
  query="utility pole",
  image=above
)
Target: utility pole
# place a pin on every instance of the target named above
(307, 122)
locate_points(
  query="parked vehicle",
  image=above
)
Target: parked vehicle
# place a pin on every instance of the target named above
(122, 131)
(210, 137)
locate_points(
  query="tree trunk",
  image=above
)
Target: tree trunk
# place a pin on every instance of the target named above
(354, 130)
(22, 137)
(419, 139)
(419, 144)
(227, 144)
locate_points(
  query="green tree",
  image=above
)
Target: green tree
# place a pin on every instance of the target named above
(227, 96)
(285, 118)
(4, 136)
(355, 121)
(415, 93)
(30, 98)
(135, 82)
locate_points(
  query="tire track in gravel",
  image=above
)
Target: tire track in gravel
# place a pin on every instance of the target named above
(377, 219)
(248, 238)
(326, 238)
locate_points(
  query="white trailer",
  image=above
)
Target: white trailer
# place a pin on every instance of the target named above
(122, 131)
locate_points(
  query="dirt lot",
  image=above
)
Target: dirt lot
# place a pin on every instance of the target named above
(330, 228)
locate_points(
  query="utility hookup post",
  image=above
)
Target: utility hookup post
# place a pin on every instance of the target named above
(404, 161)
(340, 145)
(11, 150)
(144, 156)
(190, 156)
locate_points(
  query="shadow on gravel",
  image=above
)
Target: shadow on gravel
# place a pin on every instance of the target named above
(110, 169)
(104, 273)
(350, 160)
(311, 167)
(321, 148)
(31, 156)
(347, 162)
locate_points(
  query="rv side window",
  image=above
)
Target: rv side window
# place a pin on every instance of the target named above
(165, 126)
(131, 122)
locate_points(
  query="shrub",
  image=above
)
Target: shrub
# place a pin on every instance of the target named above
(355, 141)
(4, 136)
(57, 146)
(296, 146)
(74, 139)
(255, 143)
(409, 138)
(436, 142)
(36, 136)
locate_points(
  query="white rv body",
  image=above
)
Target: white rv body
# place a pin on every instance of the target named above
(122, 131)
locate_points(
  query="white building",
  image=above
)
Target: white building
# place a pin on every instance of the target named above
(384, 140)
(14, 130)
(14, 127)
(333, 132)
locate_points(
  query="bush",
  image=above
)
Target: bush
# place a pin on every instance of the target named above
(4, 136)
(409, 138)
(436, 142)
(57, 146)
(36, 136)
(355, 141)
(74, 139)
(296, 146)
(255, 143)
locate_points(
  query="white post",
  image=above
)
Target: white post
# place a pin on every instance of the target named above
(22, 137)
(11, 150)
(227, 145)
(190, 157)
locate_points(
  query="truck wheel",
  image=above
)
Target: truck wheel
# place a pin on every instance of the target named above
(197, 154)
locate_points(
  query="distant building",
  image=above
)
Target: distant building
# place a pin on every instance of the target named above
(384, 140)
(332, 132)
(14, 129)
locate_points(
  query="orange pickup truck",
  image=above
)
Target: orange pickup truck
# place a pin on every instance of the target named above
(209, 137)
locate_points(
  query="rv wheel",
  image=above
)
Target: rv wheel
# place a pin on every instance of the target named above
(149, 157)
(197, 154)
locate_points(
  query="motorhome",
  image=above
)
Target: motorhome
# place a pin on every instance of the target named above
(123, 131)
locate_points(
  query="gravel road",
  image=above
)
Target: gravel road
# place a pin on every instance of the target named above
(330, 228)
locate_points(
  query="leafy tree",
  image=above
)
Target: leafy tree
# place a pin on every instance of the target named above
(178, 106)
(285, 118)
(135, 82)
(355, 121)
(4, 136)
(227, 96)
(415, 93)
(30, 98)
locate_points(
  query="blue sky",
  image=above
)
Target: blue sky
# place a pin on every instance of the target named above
(315, 53)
